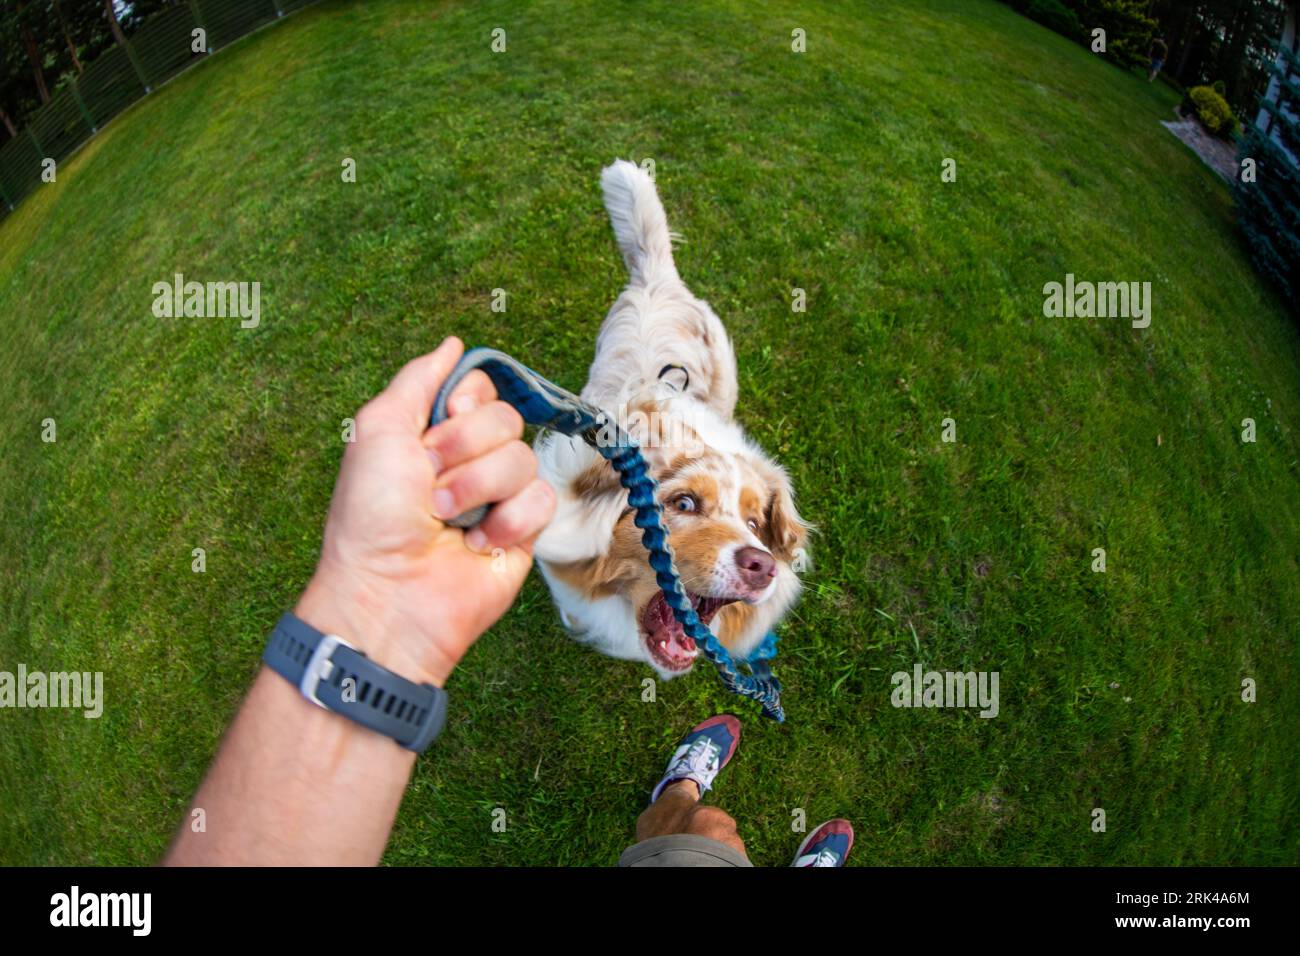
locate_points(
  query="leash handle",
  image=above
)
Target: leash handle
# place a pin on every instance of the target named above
(539, 401)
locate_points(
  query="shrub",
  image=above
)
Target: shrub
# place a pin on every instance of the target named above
(1055, 16)
(1128, 29)
(1212, 110)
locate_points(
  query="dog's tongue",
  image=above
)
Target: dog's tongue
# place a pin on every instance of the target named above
(672, 627)
(667, 636)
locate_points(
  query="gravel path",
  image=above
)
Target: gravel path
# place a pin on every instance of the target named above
(1219, 155)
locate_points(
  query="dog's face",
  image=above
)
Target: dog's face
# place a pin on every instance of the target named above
(735, 536)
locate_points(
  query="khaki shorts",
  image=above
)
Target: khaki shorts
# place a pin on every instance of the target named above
(681, 849)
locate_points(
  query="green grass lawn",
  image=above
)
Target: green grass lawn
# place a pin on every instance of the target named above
(821, 171)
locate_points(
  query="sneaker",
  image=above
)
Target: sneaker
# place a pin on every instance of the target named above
(828, 845)
(702, 753)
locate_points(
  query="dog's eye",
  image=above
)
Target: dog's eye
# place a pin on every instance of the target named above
(685, 503)
(753, 525)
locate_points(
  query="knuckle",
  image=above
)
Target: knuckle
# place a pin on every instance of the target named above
(520, 462)
(510, 417)
(511, 525)
(543, 493)
(523, 455)
(478, 382)
(456, 439)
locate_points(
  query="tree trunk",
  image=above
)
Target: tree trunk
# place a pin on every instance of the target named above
(9, 124)
(113, 25)
(1179, 27)
(33, 57)
(1233, 53)
(72, 47)
(1182, 61)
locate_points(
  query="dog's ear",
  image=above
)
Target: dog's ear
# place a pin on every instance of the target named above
(596, 481)
(784, 532)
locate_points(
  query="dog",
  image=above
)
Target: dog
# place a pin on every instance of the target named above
(666, 371)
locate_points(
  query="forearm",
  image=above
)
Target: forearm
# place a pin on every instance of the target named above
(293, 783)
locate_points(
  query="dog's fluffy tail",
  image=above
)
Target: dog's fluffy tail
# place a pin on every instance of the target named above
(640, 225)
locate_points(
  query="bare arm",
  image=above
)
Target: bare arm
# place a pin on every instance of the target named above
(295, 784)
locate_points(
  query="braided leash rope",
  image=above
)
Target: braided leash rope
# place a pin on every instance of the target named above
(546, 405)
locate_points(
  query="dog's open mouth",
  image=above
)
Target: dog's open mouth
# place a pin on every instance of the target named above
(670, 646)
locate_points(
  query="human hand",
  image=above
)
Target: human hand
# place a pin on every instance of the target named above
(396, 582)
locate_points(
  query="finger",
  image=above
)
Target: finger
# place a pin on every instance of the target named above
(474, 433)
(496, 476)
(475, 389)
(410, 395)
(515, 521)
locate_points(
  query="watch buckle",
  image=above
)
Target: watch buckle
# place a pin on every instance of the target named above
(320, 667)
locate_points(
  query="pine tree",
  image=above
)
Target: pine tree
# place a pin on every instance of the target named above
(1268, 209)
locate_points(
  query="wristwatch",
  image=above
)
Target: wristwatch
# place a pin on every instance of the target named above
(333, 674)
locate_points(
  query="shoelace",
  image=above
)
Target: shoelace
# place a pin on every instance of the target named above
(702, 756)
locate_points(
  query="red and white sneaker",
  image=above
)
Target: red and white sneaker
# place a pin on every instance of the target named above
(828, 845)
(704, 751)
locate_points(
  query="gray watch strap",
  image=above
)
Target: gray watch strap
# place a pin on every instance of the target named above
(335, 675)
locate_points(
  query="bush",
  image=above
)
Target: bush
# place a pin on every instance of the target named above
(1128, 29)
(1055, 16)
(1212, 110)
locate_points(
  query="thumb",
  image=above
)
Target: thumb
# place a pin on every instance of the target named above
(411, 393)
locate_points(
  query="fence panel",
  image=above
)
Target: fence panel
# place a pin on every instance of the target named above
(59, 126)
(165, 44)
(228, 21)
(161, 48)
(20, 167)
(110, 85)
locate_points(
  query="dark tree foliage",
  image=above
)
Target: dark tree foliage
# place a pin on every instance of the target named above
(45, 44)
(1225, 40)
(1231, 41)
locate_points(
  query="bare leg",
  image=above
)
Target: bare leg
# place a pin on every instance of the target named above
(678, 810)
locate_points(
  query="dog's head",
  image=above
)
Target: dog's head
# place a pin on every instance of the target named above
(736, 536)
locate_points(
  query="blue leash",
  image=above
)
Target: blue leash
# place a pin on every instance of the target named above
(546, 405)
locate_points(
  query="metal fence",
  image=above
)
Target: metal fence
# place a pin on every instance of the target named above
(162, 47)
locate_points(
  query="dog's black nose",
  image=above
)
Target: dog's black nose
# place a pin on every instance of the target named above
(757, 567)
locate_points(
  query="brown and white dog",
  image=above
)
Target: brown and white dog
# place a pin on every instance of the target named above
(665, 369)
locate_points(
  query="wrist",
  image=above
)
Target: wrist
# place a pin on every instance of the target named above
(367, 617)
